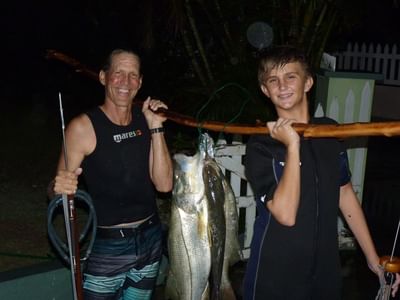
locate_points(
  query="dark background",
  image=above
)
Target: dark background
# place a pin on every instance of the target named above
(30, 131)
(28, 28)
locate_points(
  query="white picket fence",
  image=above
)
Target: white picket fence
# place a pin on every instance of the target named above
(375, 59)
(230, 159)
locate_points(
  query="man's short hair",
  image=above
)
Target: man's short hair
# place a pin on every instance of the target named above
(279, 56)
(108, 61)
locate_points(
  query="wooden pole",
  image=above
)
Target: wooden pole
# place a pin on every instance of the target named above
(307, 130)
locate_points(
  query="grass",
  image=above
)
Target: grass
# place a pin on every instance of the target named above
(28, 160)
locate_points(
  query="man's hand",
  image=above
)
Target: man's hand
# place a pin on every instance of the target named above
(66, 182)
(149, 107)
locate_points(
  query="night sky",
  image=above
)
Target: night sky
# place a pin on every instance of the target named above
(380, 23)
(28, 28)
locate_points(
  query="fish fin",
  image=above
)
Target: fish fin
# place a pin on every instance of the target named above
(171, 291)
(226, 289)
(228, 294)
(206, 293)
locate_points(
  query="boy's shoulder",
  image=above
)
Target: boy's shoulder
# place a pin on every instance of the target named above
(322, 120)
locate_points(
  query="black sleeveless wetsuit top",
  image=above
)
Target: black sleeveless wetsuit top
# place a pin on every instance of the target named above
(116, 173)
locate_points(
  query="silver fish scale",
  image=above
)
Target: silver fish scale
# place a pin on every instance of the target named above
(189, 232)
(188, 242)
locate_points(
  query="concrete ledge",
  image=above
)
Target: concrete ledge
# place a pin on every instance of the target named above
(49, 280)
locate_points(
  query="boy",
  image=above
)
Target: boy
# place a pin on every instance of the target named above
(299, 185)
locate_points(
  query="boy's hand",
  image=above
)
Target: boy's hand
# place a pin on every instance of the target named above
(283, 131)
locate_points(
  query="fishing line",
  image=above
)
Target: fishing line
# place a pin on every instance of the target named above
(388, 277)
(235, 117)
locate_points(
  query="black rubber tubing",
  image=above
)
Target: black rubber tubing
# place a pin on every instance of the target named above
(60, 246)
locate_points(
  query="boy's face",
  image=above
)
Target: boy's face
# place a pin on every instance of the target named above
(287, 86)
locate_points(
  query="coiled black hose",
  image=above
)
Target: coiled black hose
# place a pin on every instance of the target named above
(60, 246)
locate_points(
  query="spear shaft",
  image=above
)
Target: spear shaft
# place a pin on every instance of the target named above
(71, 227)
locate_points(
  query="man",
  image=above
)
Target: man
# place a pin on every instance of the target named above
(299, 185)
(120, 150)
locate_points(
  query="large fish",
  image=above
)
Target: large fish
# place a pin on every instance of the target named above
(233, 252)
(202, 240)
(214, 190)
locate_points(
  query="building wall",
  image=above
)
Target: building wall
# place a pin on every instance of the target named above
(386, 102)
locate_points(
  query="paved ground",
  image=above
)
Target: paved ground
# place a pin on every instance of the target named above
(358, 282)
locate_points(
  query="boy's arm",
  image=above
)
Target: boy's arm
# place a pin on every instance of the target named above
(285, 202)
(354, 216)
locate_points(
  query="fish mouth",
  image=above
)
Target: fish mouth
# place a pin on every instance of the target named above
(185, 163)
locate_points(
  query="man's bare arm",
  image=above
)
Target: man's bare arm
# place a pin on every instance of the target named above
(80, 141)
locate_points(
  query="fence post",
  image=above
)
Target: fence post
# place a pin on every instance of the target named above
(347, 98)
(384, 61)
(230, 157)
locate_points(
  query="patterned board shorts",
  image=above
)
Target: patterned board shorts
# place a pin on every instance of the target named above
(124, 262)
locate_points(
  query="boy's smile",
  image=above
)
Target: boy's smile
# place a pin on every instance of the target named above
(287, 86)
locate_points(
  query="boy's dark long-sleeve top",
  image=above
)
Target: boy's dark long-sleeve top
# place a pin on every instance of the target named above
(300, 261)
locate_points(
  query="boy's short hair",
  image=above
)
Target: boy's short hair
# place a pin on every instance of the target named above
(279, 56)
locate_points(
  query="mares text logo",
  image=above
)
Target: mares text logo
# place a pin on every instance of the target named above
(127, 135)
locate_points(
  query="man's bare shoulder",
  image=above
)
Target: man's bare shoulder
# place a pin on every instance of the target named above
(80, 132)
(80, 125)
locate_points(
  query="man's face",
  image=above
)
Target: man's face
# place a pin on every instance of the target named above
(123, 80)
(287, 86)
